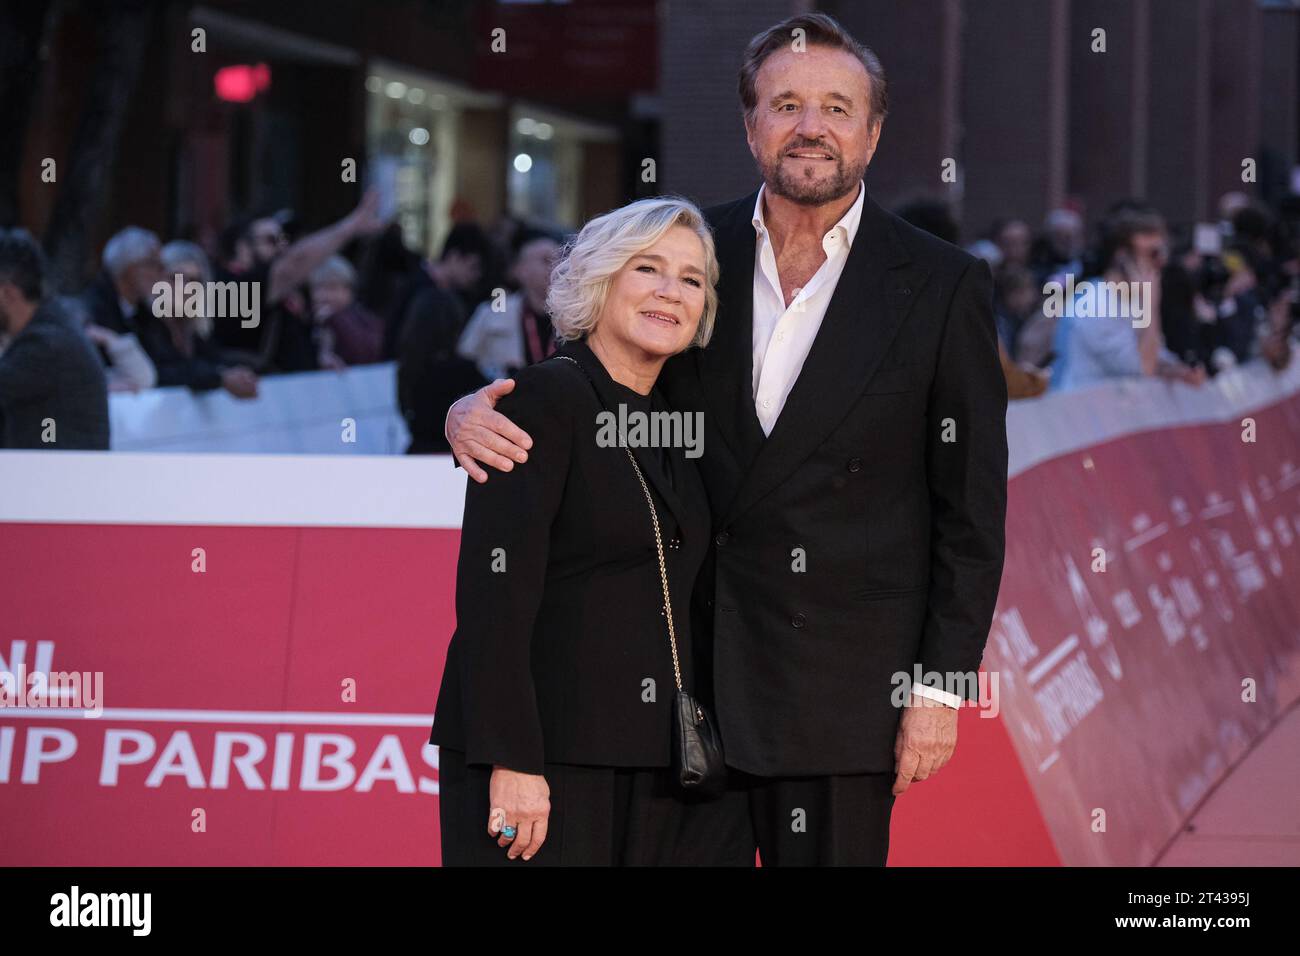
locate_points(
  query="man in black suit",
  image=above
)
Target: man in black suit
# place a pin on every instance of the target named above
(855, 460)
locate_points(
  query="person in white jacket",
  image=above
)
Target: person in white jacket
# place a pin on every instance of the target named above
(127, 365)
(508, 332)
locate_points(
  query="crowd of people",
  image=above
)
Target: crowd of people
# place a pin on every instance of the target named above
(1217, 296)
(172, 313)
(1211, 296)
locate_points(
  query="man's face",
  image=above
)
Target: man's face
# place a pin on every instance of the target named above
(138, 279)
(811, 132)
(267, 240)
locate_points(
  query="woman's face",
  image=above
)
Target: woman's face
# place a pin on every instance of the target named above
(330, 296)
(656, 300)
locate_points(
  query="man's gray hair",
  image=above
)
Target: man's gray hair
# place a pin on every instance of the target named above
(128, 247)
(818, 29)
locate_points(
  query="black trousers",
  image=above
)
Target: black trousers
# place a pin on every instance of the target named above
(600, 816)
(819, 821)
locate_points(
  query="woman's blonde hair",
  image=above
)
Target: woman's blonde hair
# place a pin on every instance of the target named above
(589, 261)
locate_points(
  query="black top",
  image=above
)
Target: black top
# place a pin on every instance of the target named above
(200, 370)
(561, 650)
(646, 405)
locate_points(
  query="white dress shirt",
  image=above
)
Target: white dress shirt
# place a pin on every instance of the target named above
(783, 334)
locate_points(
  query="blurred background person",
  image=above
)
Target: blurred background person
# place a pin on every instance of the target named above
(502, 342)
(120, 297)
(285, 339)
(1099, 346)
(463, 272)
(430, 373)
(348, 332)
(935, 217)
(1016, 302)
(390, 277)
(1014, 239)
(53, 392)
(182, 352)
(115, 307)
(467, 267)
(1060, 249)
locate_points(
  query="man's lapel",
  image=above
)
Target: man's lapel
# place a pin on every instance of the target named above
(727, 365)
(871, 300)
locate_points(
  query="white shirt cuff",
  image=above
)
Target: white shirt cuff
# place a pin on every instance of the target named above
(934, 693)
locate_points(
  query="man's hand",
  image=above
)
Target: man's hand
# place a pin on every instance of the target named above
(477, 433)
(927, 737)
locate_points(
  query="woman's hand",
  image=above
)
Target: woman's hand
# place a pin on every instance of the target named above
(523, 801)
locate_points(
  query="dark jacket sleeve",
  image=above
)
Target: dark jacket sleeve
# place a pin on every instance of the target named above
(196, 373)
(501, 575)
(25, 368)
(430, 375)
(967, 478)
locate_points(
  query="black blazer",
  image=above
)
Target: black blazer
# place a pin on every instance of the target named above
(901, 530)
(550, 657)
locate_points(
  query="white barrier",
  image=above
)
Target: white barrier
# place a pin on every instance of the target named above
(1057, 423)
(300, 413)
(303, 413)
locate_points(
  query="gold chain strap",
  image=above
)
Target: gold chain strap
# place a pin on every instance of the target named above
(663, 568)
(659, 546)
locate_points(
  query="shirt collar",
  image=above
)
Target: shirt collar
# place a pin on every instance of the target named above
(848, 224)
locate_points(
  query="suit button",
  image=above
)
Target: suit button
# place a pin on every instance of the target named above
(674, 544)
(709, 603)
(855, 464)
(722, 538)
(798, 620)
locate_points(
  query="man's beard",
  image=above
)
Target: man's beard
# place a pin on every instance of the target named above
(799, 188)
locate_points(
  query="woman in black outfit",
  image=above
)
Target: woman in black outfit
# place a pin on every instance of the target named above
(553, 719)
